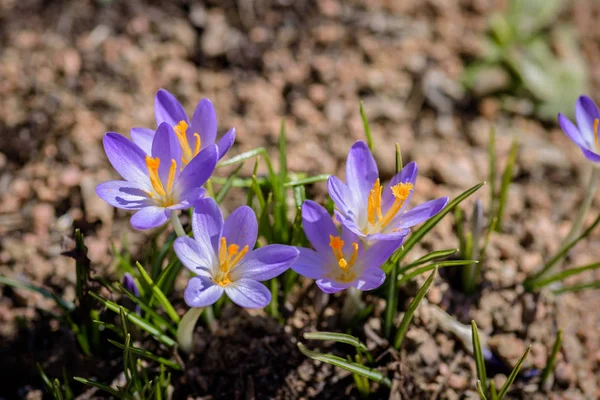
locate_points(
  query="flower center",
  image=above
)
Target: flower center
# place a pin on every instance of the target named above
(375, 217)
(229, 256)
(163, 196)
(187, 152)
(596, 141)
(343, 272)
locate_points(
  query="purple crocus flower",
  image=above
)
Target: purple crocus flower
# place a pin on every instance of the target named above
(585, 133)
(192, 137)
(340, 261)
(369, 210)
(154, 184)
(222, 257)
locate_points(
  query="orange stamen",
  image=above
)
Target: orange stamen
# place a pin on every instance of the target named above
(596, 140)
(401, 192)
(152, 164)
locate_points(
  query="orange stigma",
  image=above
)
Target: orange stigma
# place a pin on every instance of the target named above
(596, 141)
(229, 256)
(375, 217)
(164, 197)
(337, 244)
(187, 152)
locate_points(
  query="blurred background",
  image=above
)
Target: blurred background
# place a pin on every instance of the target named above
(434, 76)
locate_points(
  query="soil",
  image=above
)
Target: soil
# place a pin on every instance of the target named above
(73, 70)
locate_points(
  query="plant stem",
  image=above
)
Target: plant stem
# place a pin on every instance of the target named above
(585, 206)
(185, 330)
(353, 304)
(177, 224)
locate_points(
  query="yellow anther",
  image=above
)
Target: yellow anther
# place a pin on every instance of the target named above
(238, 257)
(223, 255)
(153, 164)
(354, 253)
(337, 245)
(198, 144)
(401, 192)
(343, 263)
(374, 203)
(229, 256)
(186, 150)
(596, 140)
(172, 171)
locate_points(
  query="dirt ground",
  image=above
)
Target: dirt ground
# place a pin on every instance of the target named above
(71, 71)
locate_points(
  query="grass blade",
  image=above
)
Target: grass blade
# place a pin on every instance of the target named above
(67, 305)
(160, 296)
(433, 256)
(507, 176)
(565, 274)
(549, 368)
(353, 367)
(408, 315)
(578, 287)
(307, 181)
(259, 151)
(149, 310)
(135, 319)
(336, 337)
(417, 235)
(220, 196)
(419, 271)
(391, 304)
(478, 355)
(481, 391)
(365, 122)
(399, 164)
(148, 355)
(108, 389)
(513, 375)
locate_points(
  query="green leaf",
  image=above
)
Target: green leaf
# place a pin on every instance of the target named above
(507, 177)
(98, 385)
(148, 355)
(481, 391)
(408, 315)
(365, 122)
(513, 375)
(273, 307)
(565, 274)
(149, 310)
(399, 164)
(478, 355)
(160, 296)
(220, 196)
(416, 236)
(260, 151)
(419, 271)
(67, 305)
(308, 181)
(337, 337)
(135, 319)
(433, 256)
(353, 367)
(391, 303)
(549, 368)
(577, 288)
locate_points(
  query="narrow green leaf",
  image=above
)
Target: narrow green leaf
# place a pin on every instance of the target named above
(408, 315)
(308, 181)
(273, 307)
(481, 391)
(451, 263)
(416, 236)
(57, 390)
(336, 337)
(492, 172)
(549, 368)
(365, 122)
(158, 320)
(478, 355)
(391, 303)
(511, 378)
(283, 171)
(460, 231)
(258, 193)
(98, 385)
(433, 256)
(148, 355)
(135, 319)
(507, 177)
(577, 288)
(259, 151)
(44, 377)
(160, 296)
(265, 228)
(158, 259)
(220, 196)
(564, 275)
(353, 367)
(67, 305)
(493, 391)
(399, 164)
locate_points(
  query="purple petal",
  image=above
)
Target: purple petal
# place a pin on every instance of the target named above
(197, 256)
(371, 279)
(330, 286)
(419, 214)
(265, 263)
(348, 223)
(318, 226)
(143, 138)
(248, 293)
(349, 237)
(127, 159)
(129, 284)
(310, 263)
(201, 292)
(361, 173)
(241, 228)
(149, 217)
(226, 142)
(123, 194)
(342, 197)
(196, 173)
(590, 155)
(408, 174)
(586, 112)
(204, 123)
(168, 109)
(165, 147)
(571, 131)
(376, 255)
(207, 223)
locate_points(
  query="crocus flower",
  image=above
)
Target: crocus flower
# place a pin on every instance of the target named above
(585, 133)
(340, 261)
(369, 210)
(222, 257)
(192, 137)
(155, 184)
(129, 284)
